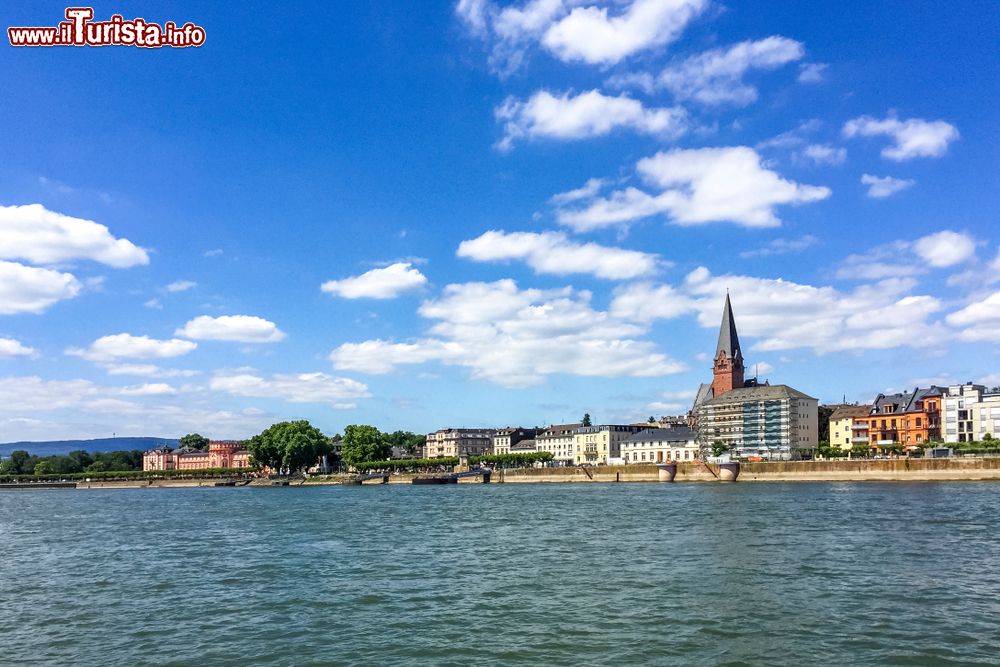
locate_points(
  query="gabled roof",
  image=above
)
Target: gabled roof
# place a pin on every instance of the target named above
(676, 434)
(773, 392)
(850, 412)
(729, 341)
(904, 402)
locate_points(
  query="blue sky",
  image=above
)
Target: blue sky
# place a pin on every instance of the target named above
(486, 214)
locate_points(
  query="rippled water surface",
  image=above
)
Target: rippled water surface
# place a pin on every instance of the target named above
(685, 574)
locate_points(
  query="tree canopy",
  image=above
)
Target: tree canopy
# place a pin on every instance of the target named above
(364, 443)
(288, 445)
(194, 441)
(586, 420)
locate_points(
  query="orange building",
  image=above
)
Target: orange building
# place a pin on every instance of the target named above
(220, 454)
(907, 420)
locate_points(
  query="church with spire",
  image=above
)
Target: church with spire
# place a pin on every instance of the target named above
(755, 421)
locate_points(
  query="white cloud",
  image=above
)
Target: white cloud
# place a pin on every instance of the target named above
(215, 252)
(880, 187)
(294, 388)
(698, 186)
(901, 259)
(945, 248)
(50, 409)
(384, 283)
(912, 138)
(181, 286)
(585, 191)
(27, 289)
(980, 320)
(148, 370)
(645, 302)
(35, 234)
(716, 77)
(781, 247)
(573, 32)
(825, 154)
(153, 303)
(786, 315)
(812, 72)
(553, 253)
(34, 393)
(149, 389)
(516, 338)
(238, 328)
(10, 348)
(589, 114)
(589, 35)
(127, 346)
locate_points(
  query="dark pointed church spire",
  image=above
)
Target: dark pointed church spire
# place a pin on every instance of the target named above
(729, 341)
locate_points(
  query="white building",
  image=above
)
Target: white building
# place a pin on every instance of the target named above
(602, 445)
(506, 438)
(661, 445)
(970, 413)
(558, 440)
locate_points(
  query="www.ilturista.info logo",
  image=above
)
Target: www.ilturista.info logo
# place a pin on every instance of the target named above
(81, 30)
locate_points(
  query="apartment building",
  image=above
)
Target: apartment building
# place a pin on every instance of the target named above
(558, 440)
(971, 412)
(449, 442)
(772, 422)
(908, 420)
(848, 426)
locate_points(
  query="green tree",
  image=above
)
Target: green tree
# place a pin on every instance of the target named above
(823, 413)
(194, 441)
(586, 420)
(43, 467)
(364, 443)
(719, 448)
(292, 445)
(22, 463)
(80, 459)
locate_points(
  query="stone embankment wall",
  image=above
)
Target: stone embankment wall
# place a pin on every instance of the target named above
(778, 471)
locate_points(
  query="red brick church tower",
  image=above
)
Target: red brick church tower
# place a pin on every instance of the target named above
(728, 368)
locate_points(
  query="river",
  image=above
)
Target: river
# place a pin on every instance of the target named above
(589, 574)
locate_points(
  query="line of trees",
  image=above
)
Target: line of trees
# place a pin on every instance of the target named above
(20, 462)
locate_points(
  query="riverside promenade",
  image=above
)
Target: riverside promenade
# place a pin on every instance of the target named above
(858, 470)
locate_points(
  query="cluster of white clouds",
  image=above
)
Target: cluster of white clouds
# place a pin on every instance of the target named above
(696, 186)
(38, 236)
(572, 31)
(515, 338)
(80, 409)
(293, 388)
(715, 77)
(900, 259)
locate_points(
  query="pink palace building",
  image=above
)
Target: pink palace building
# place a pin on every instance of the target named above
(220, 454)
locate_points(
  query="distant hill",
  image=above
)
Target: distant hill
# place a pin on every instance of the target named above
(98, 445)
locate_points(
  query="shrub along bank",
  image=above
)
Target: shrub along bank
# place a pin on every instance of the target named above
(126, 475)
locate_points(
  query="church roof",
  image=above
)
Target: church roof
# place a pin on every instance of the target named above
(729, 341)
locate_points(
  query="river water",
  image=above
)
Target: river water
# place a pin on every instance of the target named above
(573, 574)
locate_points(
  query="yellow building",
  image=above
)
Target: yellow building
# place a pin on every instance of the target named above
(844, 433)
